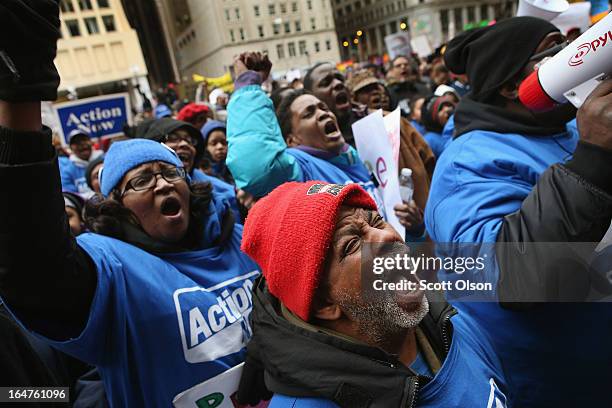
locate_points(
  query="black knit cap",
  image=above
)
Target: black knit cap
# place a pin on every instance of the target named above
(491, 56)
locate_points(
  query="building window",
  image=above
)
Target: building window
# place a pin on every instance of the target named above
(280, 51)
(261, 31)
(103, 4)
(232, 37)
(444, 21)
(328, 45)
(109, 23)
(298, 26)
(276, 28)
(340, 12)
(271, 9)
(326, 21)
(309, 4)
(283, 8)
(357, 5)
(348, 9)
(73, 28)
(227, 15)
(458, 19)
(393, 27)
(291, 48)
(256, 11)
(471, 14)
(294, 7)
(237, 11)
(242, 34)
(484, 11)
(85, 5)
(313, 25)
(66, 6)
(302, 47)
(92, 25)
(317, 47)
(287, 28)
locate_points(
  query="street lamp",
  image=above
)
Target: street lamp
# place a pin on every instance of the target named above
(345, 44)
(403, 25)
(359, 33)
(356, 41)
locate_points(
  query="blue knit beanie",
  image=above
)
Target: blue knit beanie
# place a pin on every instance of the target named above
(210, 126)
(125, 155)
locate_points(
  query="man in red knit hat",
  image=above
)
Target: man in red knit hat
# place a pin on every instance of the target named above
(321, 339)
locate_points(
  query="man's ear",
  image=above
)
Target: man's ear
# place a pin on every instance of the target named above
(330, 311)
(509, 90)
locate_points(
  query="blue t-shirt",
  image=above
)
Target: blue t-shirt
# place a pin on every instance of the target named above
(437, 142)
(221, 189)
(342, 169)
(159, 325)
(73, 177)
(471, 375)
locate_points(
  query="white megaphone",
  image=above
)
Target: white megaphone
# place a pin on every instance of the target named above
(573, 73)
(544, 9)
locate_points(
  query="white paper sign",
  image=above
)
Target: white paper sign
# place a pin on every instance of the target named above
(215, 392)
(392, 125)
(376, 150)
(398, 44)
(421, 45)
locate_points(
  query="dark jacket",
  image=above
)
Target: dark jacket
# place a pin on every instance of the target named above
(403, 92)
(306, 363)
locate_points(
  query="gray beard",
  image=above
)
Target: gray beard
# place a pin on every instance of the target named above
(381, 317)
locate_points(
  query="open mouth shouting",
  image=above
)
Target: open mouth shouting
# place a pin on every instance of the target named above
(331, 130)
(186, 157)
(171, 207)
(342, 100)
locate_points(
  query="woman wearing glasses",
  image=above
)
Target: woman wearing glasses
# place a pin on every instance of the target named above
(158, 299)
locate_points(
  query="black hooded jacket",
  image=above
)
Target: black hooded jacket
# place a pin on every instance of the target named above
(307, 363)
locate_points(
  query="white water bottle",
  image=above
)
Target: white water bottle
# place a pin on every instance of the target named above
(406, 185)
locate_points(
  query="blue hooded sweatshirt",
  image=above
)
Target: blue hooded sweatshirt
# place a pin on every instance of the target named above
(549, 360)
(161, 324)
(260, 160)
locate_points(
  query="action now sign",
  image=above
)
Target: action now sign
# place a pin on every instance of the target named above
(100, 116)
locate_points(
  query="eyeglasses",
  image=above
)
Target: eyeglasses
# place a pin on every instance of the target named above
(149, 180)
(177, 138)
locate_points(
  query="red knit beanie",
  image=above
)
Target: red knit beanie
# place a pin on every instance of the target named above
(288, 234)
(191, 111)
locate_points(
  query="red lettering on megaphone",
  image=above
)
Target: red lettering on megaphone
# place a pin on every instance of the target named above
(584, 49)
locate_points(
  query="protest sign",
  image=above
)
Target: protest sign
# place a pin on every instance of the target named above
(421, 45)
(375, 148)
(398, 44)
(100, 116)
(214, 393)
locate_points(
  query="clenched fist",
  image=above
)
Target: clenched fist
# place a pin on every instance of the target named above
(595, 116)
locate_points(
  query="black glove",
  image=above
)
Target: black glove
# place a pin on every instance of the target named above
(29, 30)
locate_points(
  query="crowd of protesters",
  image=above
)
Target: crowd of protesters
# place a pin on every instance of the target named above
(233, 233)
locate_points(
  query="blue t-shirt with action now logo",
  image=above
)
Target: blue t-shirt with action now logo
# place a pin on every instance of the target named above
(160, 325)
